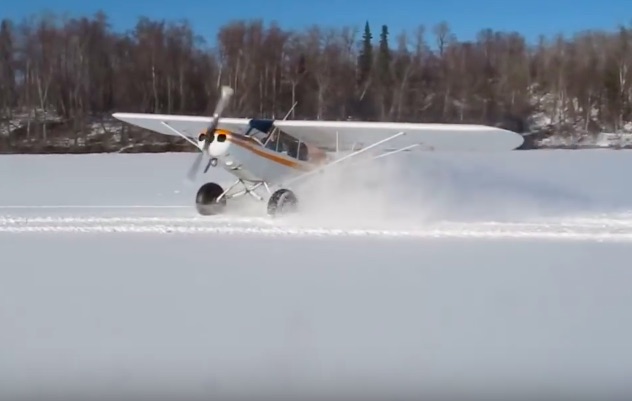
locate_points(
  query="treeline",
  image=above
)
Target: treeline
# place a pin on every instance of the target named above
(64, 77)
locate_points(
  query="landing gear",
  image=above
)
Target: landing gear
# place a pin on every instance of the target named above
(282, 201)
(206, 200)
(211, 198)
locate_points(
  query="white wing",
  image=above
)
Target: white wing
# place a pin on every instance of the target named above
(189, 126)
(438, 137)
(346, 135)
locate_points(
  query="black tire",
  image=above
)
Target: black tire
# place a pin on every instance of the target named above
(206, 199)
(282, 202)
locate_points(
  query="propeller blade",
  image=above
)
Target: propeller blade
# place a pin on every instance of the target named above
(227, 93)
(195, 167)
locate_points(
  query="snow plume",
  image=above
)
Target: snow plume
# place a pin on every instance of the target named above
(466, 187)
(363, 193)
(408, 191)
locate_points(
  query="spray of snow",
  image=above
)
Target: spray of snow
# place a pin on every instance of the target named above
(413, 191)
(360, 195)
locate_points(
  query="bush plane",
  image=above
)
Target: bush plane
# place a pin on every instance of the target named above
(274, 154)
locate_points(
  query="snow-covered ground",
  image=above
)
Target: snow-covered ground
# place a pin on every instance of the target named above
(428, 274)
(582, 141)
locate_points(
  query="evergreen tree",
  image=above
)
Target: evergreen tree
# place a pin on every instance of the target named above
(365, 58)
(384, 58)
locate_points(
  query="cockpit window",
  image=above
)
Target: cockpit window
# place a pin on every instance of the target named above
(259, 129)
(281, 142)
(261, 136)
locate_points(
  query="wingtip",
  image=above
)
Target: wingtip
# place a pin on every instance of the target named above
(520, 140)
(122, 116)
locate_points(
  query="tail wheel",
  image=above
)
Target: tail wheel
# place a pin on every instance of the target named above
(206, 201)
(282, 201)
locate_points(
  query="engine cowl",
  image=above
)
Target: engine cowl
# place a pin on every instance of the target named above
(219, 143)
(219, 146)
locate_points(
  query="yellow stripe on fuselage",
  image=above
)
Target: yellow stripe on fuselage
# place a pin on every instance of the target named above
(253, 146)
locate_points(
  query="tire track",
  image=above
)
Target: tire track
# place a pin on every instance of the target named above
(601, 228)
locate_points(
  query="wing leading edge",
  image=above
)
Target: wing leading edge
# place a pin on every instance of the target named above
(346, 135)
(190, 126)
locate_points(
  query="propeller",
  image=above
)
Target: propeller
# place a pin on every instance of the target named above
(227, 93)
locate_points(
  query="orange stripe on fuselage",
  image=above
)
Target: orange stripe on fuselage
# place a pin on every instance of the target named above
(255, 147)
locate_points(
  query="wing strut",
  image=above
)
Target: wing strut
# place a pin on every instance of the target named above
(392, 152)
(179, 133)
(349, 156)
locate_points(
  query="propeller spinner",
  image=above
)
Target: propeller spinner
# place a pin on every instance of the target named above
(227, 93)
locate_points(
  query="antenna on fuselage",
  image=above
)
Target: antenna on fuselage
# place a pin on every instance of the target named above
(289, 112)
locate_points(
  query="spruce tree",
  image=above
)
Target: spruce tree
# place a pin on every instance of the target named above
(384, 58)
(365, 58)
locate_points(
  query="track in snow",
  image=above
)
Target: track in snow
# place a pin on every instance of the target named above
(180, 219)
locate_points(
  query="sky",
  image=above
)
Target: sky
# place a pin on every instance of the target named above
(466, 18)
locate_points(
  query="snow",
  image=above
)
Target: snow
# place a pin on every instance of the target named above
(466, 275)
(601, 140)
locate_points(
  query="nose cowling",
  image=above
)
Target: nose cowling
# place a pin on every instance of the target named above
(219, 145)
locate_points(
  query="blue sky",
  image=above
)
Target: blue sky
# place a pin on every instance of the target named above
(531, 17)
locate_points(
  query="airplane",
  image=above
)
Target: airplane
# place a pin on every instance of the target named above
(274, 154)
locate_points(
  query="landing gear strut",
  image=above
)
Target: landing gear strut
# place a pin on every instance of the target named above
(206, 200)
(282, 201)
